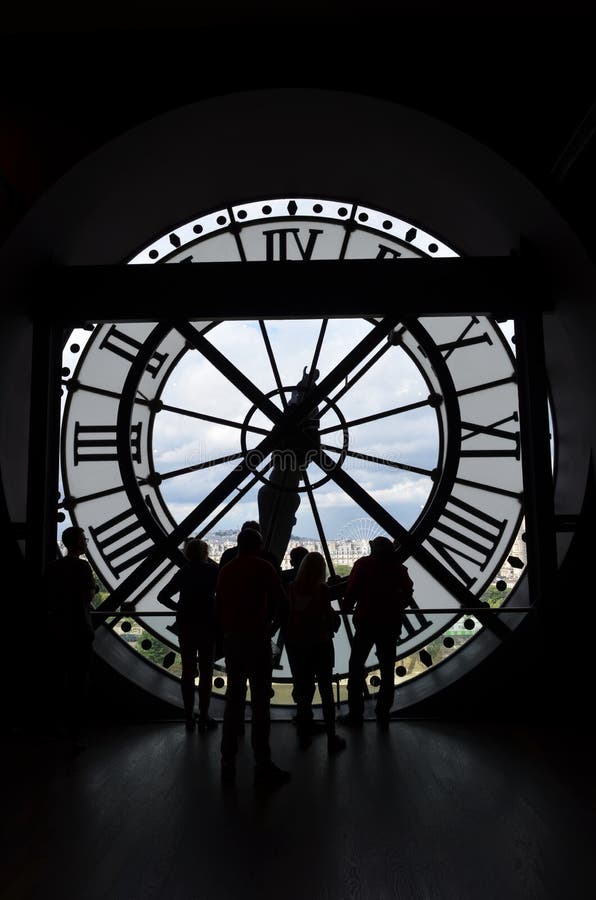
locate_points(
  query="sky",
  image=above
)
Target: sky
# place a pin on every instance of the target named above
(394, 381)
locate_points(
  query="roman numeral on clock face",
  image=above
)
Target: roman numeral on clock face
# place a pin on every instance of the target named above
(506, 443)
(386, 252)
(279, 240)
(127, 347)
(98, 443)
(413, 624)
(118, 540)
(465, 538)
(465, 339)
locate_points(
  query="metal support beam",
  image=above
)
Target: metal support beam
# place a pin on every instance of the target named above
(499, 286)
(44, 431)
(536, 459)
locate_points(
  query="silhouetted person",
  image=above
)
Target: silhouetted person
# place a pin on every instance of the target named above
(249, 594)
(71, 587)
(232, 552)
(309, 630)
(195, 620)
(297, 554)
(379, 588)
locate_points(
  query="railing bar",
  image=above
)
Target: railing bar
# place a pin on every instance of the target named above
(407, 612)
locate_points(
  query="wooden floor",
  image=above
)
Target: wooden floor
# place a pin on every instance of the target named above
(428, 811)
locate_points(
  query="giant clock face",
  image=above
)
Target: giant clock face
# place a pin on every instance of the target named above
(409, 425)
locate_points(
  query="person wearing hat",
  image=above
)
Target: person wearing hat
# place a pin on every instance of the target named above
(379, 589)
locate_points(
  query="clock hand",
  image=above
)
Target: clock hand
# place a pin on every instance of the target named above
(315, 396)
(273, 363)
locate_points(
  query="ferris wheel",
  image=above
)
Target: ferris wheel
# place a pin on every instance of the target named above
(362, 529)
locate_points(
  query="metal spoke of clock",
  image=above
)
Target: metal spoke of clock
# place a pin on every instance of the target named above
(379, 460)
(196, 468)
(358, 353)
(217, 420)
(319, 524)
(325, 546)
(426, 559)
(180, 532)
(273, 363)
(376, 416)
(317, 353)
(356, 377)
(132, 604)
(229, 371)
(71, 385)
(235, 499)
(165, 407)
(486, 386)
(365, 346)
(234, 478)
(493, 489)
(70, 502)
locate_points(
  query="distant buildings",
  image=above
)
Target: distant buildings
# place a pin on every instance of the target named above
(342, 552)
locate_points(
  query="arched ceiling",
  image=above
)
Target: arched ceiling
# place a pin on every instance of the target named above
(521, 84)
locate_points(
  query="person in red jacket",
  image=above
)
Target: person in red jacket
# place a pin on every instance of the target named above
(379, 589)
(249, 595)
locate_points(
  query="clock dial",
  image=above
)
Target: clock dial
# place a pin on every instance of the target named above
(193, 427)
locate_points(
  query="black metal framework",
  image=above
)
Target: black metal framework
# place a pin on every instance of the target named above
(456, 284)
